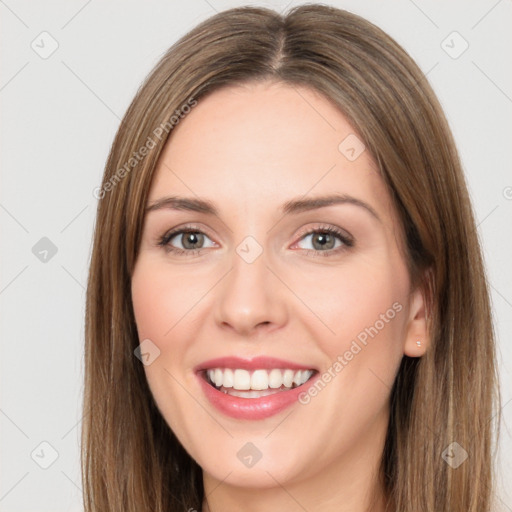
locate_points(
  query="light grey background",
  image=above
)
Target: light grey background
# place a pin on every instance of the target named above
(60, 115)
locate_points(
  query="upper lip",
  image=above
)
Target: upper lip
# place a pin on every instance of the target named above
(255, 363)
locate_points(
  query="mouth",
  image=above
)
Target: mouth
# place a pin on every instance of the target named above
(255, 388)
(247, 384)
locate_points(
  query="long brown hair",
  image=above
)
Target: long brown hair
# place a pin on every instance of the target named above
(131, 460)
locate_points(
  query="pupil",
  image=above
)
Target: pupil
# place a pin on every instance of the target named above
(323, 239)
(191, 240)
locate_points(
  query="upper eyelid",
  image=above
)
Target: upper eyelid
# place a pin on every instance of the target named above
(325, 227)
(184, 229)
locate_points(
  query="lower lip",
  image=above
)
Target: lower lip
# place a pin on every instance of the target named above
(252, 408)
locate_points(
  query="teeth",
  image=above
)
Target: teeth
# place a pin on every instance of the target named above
(258, 380)
(275, 379)
(288, 378)
(219, 378)
(241, 379)
(228, 378)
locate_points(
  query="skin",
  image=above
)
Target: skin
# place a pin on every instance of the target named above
(248, 149)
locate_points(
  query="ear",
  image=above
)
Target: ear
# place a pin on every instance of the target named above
(416, 330)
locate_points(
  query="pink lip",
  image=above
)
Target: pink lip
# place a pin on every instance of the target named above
(251, 408)
(256, 363)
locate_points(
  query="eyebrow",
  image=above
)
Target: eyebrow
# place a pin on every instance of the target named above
(293, 206)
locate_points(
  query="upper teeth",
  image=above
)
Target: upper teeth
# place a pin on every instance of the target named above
(259, 379)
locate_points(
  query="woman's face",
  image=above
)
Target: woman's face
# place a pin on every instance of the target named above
(273, 285)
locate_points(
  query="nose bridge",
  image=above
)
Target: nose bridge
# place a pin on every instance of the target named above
(250, 294)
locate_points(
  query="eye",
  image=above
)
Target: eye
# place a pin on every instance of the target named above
(188, 240)
(327, 240)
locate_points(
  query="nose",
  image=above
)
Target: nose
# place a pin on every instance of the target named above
(251, 298)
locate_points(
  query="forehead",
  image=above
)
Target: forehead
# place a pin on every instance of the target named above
(263, 143)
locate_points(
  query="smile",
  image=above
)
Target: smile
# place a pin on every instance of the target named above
(254, 389)
(242, 383)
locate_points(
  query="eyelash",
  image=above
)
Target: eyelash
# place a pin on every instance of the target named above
(347, 241)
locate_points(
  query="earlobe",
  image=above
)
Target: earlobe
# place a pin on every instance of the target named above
(417, 335)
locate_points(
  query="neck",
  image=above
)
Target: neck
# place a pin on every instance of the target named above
(351, 483)
(296, 498)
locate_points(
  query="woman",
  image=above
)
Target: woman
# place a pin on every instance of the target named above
(228, 367)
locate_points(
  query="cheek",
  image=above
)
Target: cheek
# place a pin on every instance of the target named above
(161, 298)
(162, 303)
(364, 306)
(354, 297)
